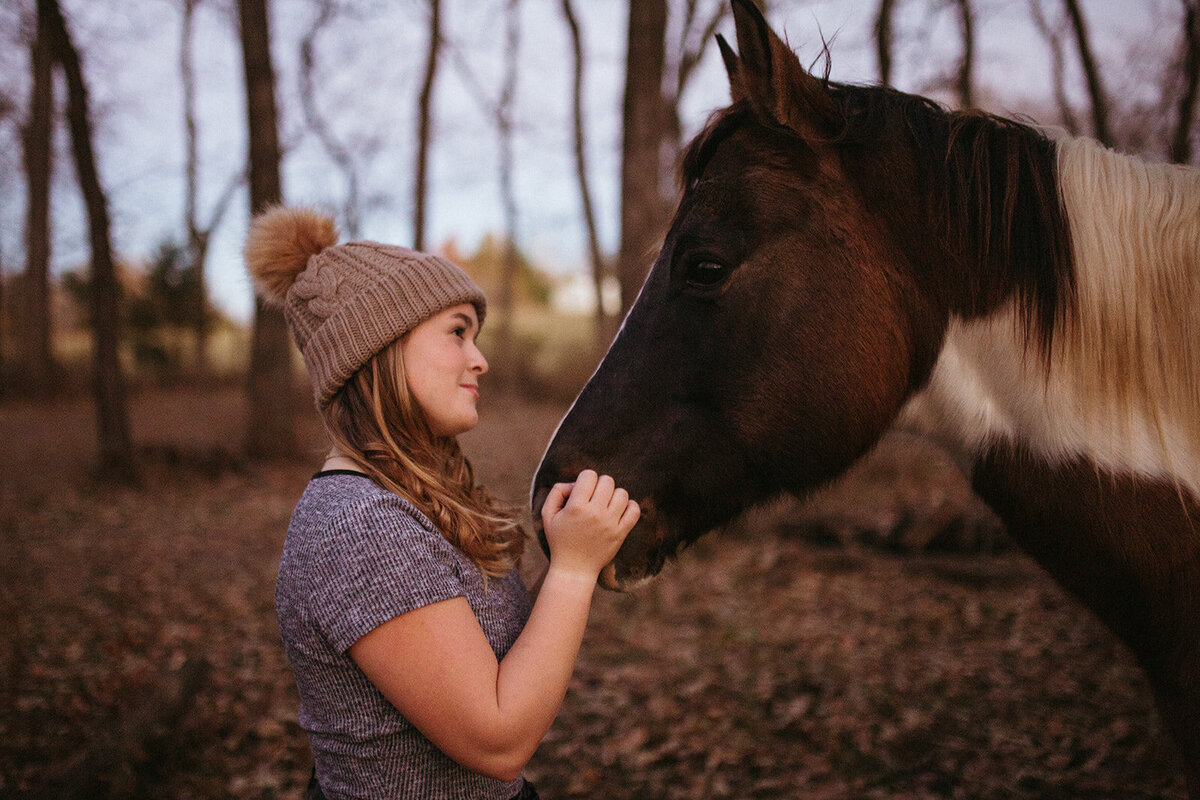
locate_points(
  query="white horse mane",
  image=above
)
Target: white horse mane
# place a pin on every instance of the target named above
(1132, 338)
(1122, 384)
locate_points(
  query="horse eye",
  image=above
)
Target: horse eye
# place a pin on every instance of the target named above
(705, 274)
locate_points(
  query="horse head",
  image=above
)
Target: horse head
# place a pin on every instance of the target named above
(780, 328)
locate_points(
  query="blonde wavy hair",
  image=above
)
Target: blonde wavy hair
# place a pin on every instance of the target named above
(376, 422)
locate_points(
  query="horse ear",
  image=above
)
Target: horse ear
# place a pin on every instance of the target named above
(733, 69)
(770, 75)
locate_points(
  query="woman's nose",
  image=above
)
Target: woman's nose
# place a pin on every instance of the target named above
(479, 364)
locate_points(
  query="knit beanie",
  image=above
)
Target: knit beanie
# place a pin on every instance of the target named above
(347, 302)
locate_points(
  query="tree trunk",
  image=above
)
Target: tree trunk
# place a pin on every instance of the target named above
(883, 40)
(270, 432)
(642, 217)
(197, 244)
(36, 358)
(585, 192)
(508, 199)
(198, 235)
(116, 443)
(1180, 150)
(1091, 72)
(964, 83)
(424, 122)
(4, 312)
(1058, 66)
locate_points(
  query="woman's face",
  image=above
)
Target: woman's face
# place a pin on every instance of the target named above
(442, 366)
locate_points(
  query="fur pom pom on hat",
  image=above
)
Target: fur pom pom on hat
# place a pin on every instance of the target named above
(345, 303)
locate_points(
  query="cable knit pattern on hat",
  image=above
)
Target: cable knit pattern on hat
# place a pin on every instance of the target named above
(345, 303)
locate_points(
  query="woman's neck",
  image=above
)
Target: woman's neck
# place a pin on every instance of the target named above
(336, 460)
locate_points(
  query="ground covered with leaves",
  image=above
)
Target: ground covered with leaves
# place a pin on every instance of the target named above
(850, 648)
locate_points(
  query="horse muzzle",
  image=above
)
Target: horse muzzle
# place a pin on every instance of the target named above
(641, 557)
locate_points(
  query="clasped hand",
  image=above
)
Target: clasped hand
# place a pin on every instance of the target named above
(585, 523)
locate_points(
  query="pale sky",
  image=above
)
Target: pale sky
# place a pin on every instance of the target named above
(369, 68)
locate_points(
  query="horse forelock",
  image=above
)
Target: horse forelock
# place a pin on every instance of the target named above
(720, 126)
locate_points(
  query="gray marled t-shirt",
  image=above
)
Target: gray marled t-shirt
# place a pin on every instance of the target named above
(356, 556)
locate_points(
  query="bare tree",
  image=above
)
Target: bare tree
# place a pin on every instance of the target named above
(697, 32)
(37, 357)
(964, 83)
(595, 254)
(341, 156)
(508, 199)
(1053, 35)
(642, 216)
(883, 39)
(1091, 72)
(1180, 148)
(269, 430)
(198, 235)
(425, 121)
(4, 312)
(116, 443)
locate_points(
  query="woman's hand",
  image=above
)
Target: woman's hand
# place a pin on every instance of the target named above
(586, 522)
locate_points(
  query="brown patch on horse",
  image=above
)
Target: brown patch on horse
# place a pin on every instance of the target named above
(993, 199)
(1128, 547)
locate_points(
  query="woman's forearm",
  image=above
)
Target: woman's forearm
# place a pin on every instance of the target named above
(534, 675)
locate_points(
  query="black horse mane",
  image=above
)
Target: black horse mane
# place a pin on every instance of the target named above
(992, 179)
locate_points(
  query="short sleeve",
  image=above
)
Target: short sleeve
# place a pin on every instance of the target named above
(376, 562)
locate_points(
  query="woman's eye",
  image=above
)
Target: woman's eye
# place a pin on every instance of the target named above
(705, 274)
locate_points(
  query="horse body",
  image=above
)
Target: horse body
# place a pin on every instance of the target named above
(1091, 455)
(848, 258)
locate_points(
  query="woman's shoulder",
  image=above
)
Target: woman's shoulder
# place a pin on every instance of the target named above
(347, 512)
(344, 496)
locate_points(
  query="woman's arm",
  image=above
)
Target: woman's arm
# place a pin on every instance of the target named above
(436, 666)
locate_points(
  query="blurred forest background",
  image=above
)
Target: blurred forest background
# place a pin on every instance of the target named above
(879, 640)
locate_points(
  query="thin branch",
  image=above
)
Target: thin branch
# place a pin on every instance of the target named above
(340, 155)
(425, 122)
(1058, 65)
(1180, 150)
(581, 170)
(966, 89)
(883, 40)
(693, 53)
(1091, 72)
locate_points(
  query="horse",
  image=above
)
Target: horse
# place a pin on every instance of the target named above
(845, 260)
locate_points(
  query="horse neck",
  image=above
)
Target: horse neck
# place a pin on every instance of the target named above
(1113, 377)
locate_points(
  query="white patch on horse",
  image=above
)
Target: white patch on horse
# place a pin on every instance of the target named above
(1123, 384)
(987, 387)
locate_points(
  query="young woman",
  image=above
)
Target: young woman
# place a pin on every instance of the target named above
(423, 672)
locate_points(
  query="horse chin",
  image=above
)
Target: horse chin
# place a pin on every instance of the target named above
(617, 578)
(608, 578)
(641, 557)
